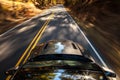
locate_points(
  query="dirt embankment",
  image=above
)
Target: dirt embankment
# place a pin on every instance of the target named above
(101, 21)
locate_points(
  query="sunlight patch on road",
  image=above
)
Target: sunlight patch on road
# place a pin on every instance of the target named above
(51, 29)
(74, 27)
(46, 18)
(25, 28)
(57, 10)
(60, 16)
(63, 25)
(66, 21)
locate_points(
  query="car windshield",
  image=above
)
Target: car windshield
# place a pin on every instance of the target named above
(59, 70)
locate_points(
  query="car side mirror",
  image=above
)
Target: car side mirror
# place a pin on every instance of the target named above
(110, 74)
(11, 71)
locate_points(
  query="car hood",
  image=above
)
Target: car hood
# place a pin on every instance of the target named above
(59, 47)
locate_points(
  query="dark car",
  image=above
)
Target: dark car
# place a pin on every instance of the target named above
(59, 60)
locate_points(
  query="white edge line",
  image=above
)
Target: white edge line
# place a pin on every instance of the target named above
(21, 24)
(88, 41)
(93, 48)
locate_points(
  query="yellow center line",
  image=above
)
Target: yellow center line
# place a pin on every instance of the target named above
(42, 30)
(34, 42)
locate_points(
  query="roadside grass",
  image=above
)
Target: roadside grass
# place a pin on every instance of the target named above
(13, 13)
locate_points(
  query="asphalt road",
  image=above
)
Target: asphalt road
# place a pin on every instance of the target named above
(15, 41)
(63, 27)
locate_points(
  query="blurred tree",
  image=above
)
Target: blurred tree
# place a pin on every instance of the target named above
(13, 4)
(25, 1)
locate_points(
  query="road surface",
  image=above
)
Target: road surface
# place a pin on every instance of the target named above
(14, 42)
